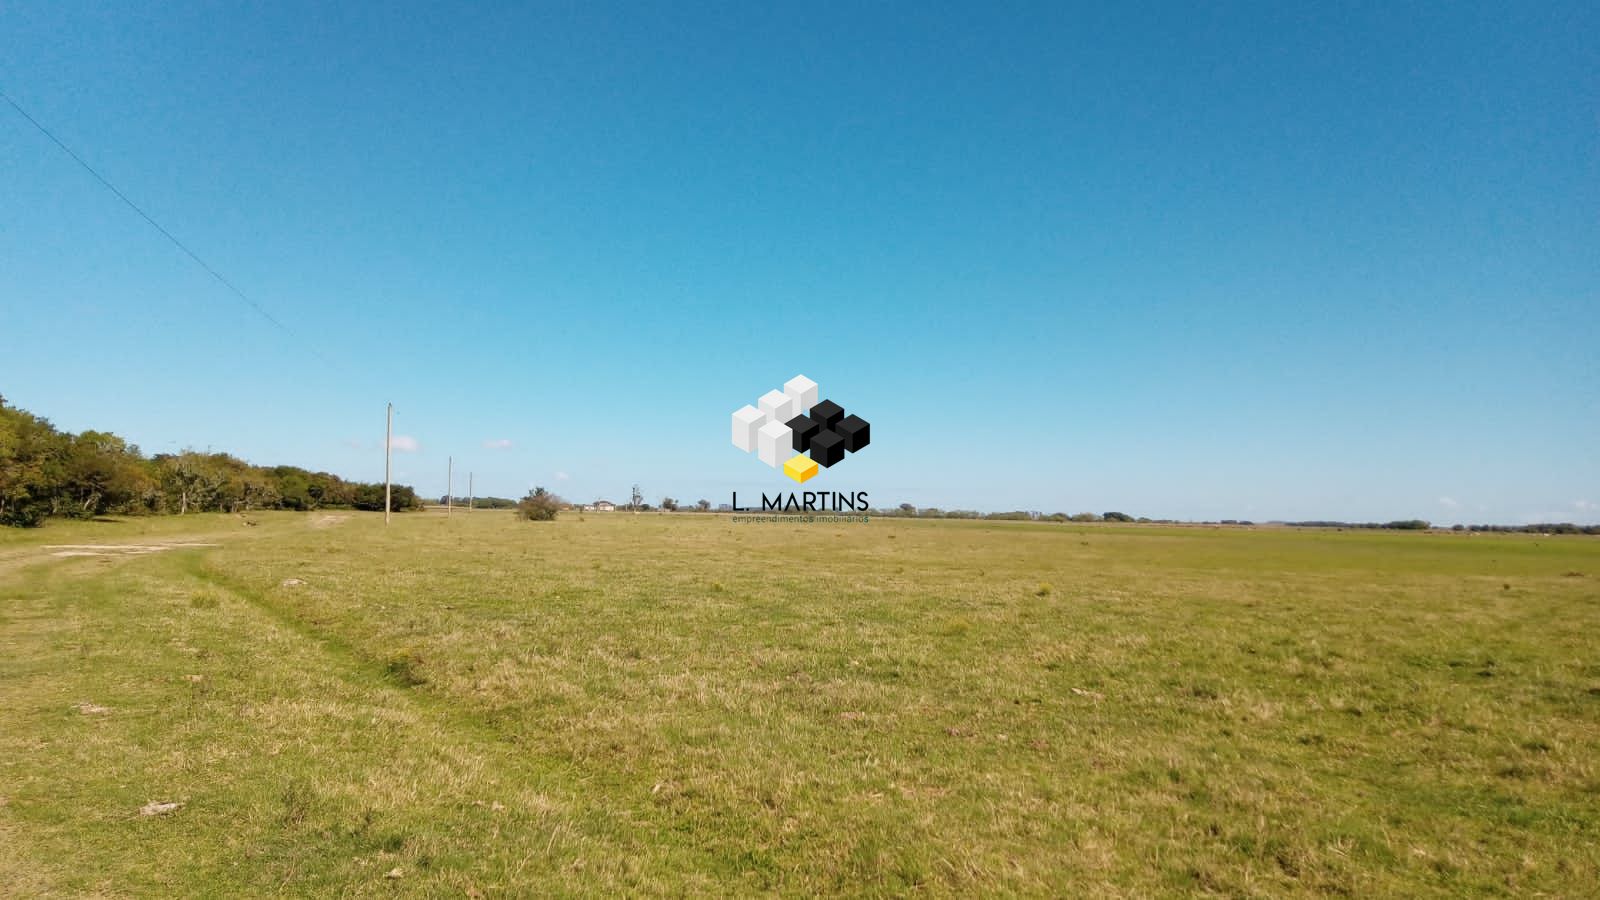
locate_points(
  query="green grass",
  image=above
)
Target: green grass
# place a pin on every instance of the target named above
(678, 704)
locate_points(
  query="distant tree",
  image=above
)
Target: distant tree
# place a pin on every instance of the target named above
(32, 455)
(294, 488)
(101, 473)
(1116, 517)
(190, 481)
(404, 497)
(906, 509)
(368, 497)
(539, 505)
(703, 505)
(669, 504)
(1085, 517)
(638, 498)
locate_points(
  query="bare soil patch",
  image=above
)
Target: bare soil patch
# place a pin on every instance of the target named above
(67, 550)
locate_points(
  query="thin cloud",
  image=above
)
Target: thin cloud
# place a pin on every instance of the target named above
(1449, 502)
(405, 443)
(562, 476)
(497, 444)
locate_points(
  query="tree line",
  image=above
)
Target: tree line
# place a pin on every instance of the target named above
(477, 502)
(48, 472)
(907, 510)
(1398, 525)
(1424, 525)
(1538, 528)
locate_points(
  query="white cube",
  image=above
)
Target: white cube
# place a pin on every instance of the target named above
(747, 420)
(778, 406)
(803, 391)
(774, 444)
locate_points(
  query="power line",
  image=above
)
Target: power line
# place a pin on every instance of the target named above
(157, 226)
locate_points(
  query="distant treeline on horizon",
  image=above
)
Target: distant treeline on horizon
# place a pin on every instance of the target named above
(478, 502)
(906, 510)
(1422, 525)
(47, 472)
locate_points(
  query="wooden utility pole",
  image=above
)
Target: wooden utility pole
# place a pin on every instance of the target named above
(450, 487)
(388, 437)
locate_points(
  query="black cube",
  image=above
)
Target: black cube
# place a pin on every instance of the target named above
(856, 431)
(804, 428)
(827, 447)
(827, 413)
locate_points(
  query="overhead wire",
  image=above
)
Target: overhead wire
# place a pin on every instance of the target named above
(210, 269)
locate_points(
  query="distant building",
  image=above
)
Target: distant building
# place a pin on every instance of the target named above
(604, 506)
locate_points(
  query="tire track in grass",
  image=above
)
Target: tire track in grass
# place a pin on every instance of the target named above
(632, 836)
(369, 672)
(459, 806)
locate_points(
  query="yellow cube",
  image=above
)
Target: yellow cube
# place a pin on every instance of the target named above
(800, 468)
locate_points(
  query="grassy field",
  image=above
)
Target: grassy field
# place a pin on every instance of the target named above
(680, 704)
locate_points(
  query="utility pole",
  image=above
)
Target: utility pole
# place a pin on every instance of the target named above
(450, 488)
(469, 492)
(388, 437)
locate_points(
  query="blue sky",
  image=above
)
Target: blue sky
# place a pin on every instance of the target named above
(1340, 261)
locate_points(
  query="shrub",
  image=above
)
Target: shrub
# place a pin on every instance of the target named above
(539, 506)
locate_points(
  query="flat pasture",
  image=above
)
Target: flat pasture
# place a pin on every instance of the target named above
(679, 704)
